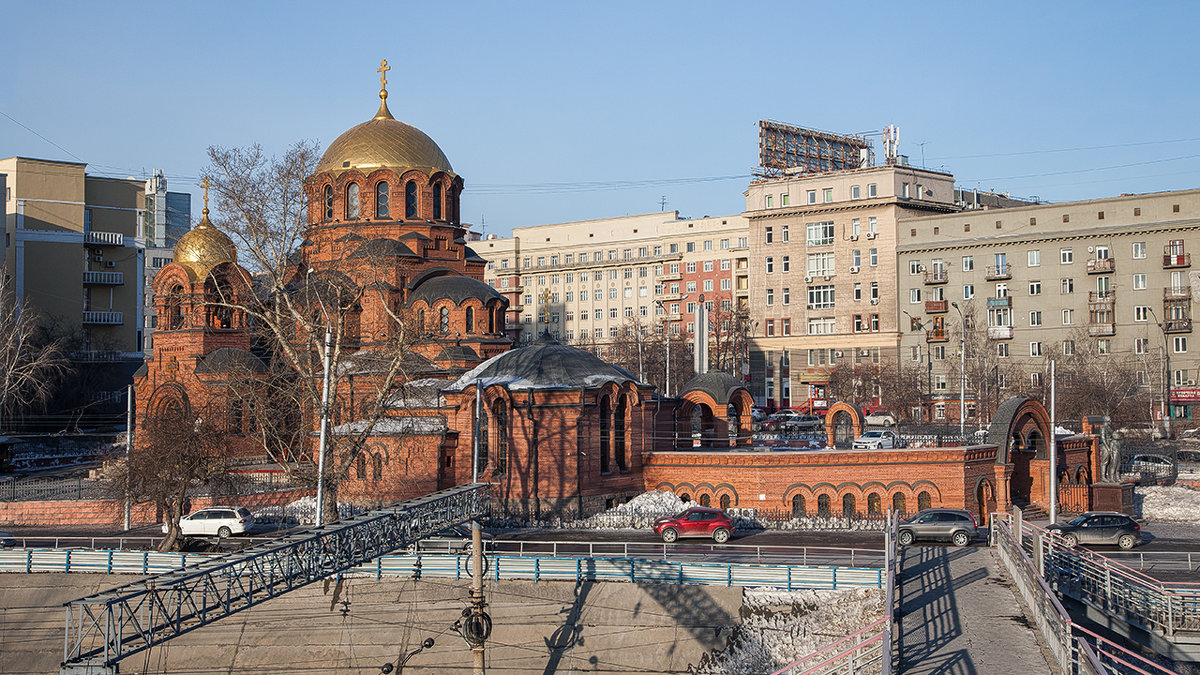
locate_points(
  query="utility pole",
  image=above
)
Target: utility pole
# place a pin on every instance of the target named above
(1053, 450)
(128, 451)
(1166, 376)
(962, 371)
(479, 624)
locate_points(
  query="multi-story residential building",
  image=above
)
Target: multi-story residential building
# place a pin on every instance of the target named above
(76, 249)
(823, 256)
(1109, 278)
(167, 217)
(584, 280)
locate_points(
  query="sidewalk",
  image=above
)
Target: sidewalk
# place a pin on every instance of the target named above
(958, 614)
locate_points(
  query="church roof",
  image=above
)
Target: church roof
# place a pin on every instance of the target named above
(382, 248)
(545, 364)
(204, 247)
(456, 288)
(384, 142)
(230, 360)
(472, 256)
(718, 385)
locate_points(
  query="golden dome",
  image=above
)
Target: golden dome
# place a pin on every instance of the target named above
(384, 142)
(204, 247)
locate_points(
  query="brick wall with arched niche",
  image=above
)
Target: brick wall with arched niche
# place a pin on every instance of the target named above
(852, 499)
(843, 424)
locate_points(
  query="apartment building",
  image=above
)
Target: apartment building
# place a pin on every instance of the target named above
(823, 257)
(1110, 278)
(584, 280)
(76, 248)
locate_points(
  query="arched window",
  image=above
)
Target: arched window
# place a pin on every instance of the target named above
(923, 501)
(217, 295)
(360, 467)
(352, 202)
(685, 498)
(410, 200)
(898, 504)
(421, 320)
(605, 435)
(823, 506)
(175, 308)
(381, 200)
(437, 201)
(470, 320)
(500, 434)
(481, 461)
(452, 205)
(328, 202)
(376, 467)
(725, 502)
(848, 506)
(619, 432)
(798, 510)
(873, 506)
(705, 500)
(444, 320)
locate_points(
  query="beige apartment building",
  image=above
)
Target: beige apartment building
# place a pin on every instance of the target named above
(582, 281)
(823, 264)
(1110, 278)
(75, 248)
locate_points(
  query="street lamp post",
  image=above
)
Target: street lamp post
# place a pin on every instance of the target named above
(962, 372)
(1166, 383)
(398, 667)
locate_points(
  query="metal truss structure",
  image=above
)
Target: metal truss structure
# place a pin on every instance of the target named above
(783, 148)
(104, 628)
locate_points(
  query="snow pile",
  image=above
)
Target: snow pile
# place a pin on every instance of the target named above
(303, 511)
(1176, 503)
(781, 626)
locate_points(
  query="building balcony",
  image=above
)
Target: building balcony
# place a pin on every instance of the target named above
(95, 238)
(1000, 332)
(91, 318)
(104, 278)
(937, 306)
(999, 272)
(1102, 329)
(1101, 297)
(1177, 293)
(993, 303)
(669, 276)
(1177, 325)
(937, 335)
(1101, 265)
(1176, 259)
(937, 276)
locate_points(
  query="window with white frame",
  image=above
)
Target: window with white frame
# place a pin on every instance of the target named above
(820, 297)
(1067, 286)
(1035, 288)
(770, 297)
(1068, 347)
(820, 264)
(1141, 345)
(914, 267)
(856, 226)
(828, 195)
(821, 326)
(1068, 317)
(1141, 313)
(1035, 379)
(770, 265)
(1035, 258)
(875, 291)
(691, 287)
(787, 296)
(708, 265)
(1035, 348)
(968, 291)
(1103, 346)
(873, 257)
(726, 284)
(1180, 344)
(914, 296)
(820, 234)
(872, 225)
(783, 234)
(726, 265)
(708, 284)
(1066, 256)
(872, 190)
(786, 263)
(1002, 350)
(1035, 318)
(1139, 282)
(1139, 250)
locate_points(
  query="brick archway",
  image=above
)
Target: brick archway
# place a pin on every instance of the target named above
(1021, 432)
(838, 413)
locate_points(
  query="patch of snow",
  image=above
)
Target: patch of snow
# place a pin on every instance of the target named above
(1175, 503)
(426, 424)
(782, 626)
(303, 510)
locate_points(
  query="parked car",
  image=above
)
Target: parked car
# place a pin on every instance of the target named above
(879, 440)
(777, 419)
(1157, 465)
(758, 414)
(456, 539)
(1140, 430)
(1100, 527)
(953, 525)
(698, 521)
(7, 540)
(881, 418)
(1188, 456)
(221, 521)
(1190, 435)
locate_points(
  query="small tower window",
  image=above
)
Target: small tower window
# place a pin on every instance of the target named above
(352, 202)
(470, 320)
(437, 201)
(328, 202)
(381, 200)
(444, 320)
(410, 200)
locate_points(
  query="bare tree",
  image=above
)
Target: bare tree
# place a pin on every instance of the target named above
(262, 202)
(1093, 383)
(729, 328)
(179, 451)
(31, 355)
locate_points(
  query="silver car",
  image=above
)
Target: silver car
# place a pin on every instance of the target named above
(953, 525)
(879, 440)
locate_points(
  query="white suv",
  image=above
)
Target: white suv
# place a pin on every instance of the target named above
(220, 521)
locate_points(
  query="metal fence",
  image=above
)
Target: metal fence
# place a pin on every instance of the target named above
(44, 489)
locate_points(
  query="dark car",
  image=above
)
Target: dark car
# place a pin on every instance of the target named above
(698, 521)
(455, 539)
(1100, 527)
(953, 525)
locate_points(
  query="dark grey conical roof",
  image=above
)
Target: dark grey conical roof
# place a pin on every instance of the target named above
(545, 364)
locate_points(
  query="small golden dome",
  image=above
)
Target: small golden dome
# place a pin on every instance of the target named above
(384, 142)
(204, 247)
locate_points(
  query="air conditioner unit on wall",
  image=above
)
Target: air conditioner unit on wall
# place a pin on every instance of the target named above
(854, 237)
(870, 235)
(837, 355)
(874, 301)
(1191, 383)
(827, 277)
(808, 280)
(110, 263)
(854, 269)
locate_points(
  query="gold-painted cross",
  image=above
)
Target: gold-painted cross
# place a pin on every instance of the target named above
(382, 70)
(206, 184)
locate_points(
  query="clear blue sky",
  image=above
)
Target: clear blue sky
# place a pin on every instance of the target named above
(634, 97)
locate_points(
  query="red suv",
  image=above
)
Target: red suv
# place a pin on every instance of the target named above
(698, 521)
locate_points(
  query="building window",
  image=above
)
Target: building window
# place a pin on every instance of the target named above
(352, 209)
(784, 236)
(787, 266)
(1139, 250)
(1002, 350)
(1066, 256)
(1035, 288)
(381, 200)
(968, 263)
(914, 296)
(812, 196)
(770, 201)
(855, 192)
(785, 326)
(787, 296)
(783, 199)
(1103, 346)
(821, 326)
(1067, 287)
(437, 201)
(873, 257)
(1180, 344)
(1068, 317)
(820, 297)
(328, 202)
(820, 234)
(968, 291)
(828, 195)
(444, 320)
(770, 327)
(410, 203)
(872, 190)
(1035, 379)
(1139, 282)
(1035, 258)
(770, 263)
(1035, 349)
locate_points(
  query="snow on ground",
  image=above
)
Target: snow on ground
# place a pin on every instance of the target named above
(303, 510)
(782, 626)
(1175, 503)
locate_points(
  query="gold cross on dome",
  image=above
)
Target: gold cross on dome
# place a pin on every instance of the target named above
(382, 70)
(206, 184)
